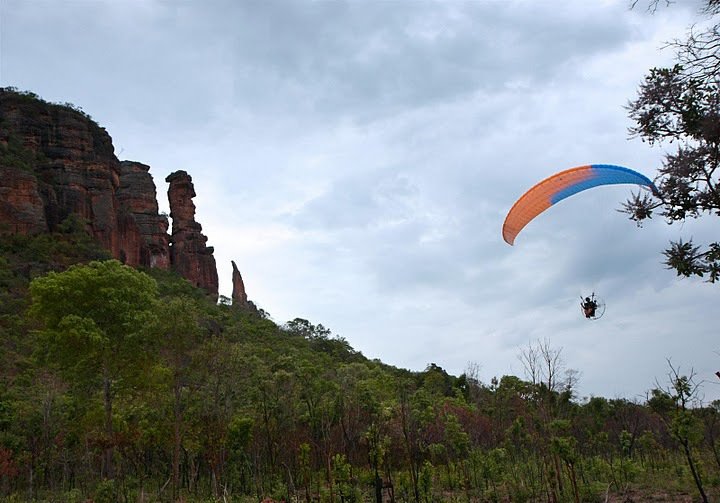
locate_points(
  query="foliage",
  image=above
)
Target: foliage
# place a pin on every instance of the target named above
(681, 105)
(30, 100)
(209, 402)
(14, 155)
(97, 319)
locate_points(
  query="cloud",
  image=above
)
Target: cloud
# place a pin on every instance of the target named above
(358, 60)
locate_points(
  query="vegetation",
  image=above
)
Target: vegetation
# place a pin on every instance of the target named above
(31, 102)
(681, 105)
(124, 385)
(14, 154)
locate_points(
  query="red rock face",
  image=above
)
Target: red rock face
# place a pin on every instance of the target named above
(144, 240)
(21, 208)
(188, 254)
(239, 296)
(72, 160)
(55, 162)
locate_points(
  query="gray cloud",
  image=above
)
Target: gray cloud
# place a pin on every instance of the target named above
(373, 59)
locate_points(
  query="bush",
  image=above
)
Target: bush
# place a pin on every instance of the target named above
(15, 155)
(105, 492)
(73, 496)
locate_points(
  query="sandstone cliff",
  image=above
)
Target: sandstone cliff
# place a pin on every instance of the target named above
(21, 207)
(55, 161)
(144, 237)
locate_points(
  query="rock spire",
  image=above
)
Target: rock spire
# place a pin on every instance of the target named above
(239, 296)
(189, 255)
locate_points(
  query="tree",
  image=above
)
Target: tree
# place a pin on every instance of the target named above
(304, 328)
(682, 105)
(180, 333)
(675, 404)
(699, 53)
(96, 320)
(543, 365)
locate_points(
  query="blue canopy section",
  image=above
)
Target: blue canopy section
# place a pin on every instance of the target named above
(604, 174)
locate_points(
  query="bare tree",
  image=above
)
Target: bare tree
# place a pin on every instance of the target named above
(543, 364)
(530, 359)
(652, 5)
(472, 378)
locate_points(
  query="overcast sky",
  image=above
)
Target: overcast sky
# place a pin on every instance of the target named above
(357, 159)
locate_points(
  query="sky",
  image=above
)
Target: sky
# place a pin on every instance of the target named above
(356, 159)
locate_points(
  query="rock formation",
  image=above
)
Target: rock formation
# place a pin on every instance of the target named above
(188, 253)
(144, 240)
(55, 161)
(21, 208)
(239, 297)
(72, 161)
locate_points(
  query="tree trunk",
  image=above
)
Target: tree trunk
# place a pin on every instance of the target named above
(109, 434)
(176, 441)
(693, 470)
(573, 481)
(378, 487)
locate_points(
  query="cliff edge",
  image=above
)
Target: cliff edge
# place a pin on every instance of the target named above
(56, 162)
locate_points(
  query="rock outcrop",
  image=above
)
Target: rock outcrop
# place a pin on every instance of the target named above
(72, 161)
(144, 240)
(22, 210)
(239, 296)
(188, 253)
(56, 162)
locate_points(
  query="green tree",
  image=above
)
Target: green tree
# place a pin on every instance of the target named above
(218, 378)
(675, 407)
(681, 105)
(180, 333)
(304, 328)
(96, 319)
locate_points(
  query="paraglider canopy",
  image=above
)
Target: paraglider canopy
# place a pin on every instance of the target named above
(562, 185)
